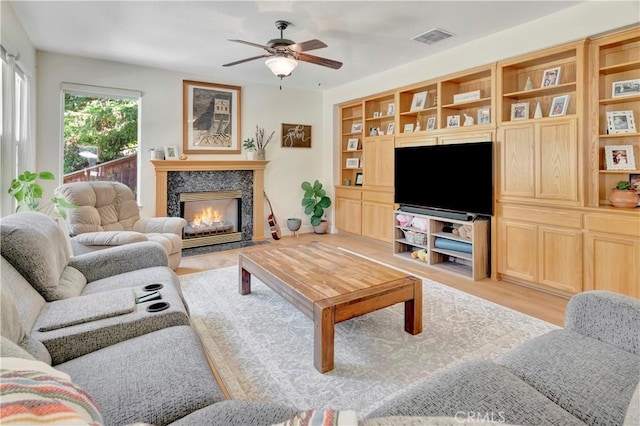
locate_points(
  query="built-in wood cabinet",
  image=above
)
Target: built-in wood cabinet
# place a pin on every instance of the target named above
(615, 59)
(348, 207)
(377, 209)
(351, 125)
(378, 164)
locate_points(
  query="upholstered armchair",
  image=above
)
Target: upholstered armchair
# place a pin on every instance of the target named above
(108, 215)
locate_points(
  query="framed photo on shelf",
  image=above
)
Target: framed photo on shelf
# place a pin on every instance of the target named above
(210, 118)
(559, 106)
(171, 152)
(453, 120)
(431, 123)
(376, 114)
(620, 157)
(520, 111)
(356, 127)
(353, 163)
(352, 144)
(634, 180)
(391, 109)
(551, 77)
(625, 88)
(484, 115)
(391, 128)
(359, 179)
(408, 128)
(620, 122)
(419, 101)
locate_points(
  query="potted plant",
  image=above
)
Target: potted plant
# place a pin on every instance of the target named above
(623, 195)
(28, 192)
(315, 200)
(250, 147)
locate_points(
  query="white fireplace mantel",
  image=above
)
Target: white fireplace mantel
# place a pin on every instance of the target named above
(162, 167)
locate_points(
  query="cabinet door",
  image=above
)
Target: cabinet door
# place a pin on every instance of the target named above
(560, 258)
(557, 160)
(518, 250)
(378, 162)
(611, 263)
(377, 221)
(517, 146)
(348, 215)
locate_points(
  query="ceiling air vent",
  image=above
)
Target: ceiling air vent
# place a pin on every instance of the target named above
(433, 36)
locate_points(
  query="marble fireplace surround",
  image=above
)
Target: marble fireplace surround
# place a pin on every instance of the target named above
(163, 167)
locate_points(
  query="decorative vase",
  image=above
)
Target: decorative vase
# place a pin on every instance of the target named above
(262, 155)
(251, 155)
(322, 228)
(294, 224)
(623, 198)
(538, 113)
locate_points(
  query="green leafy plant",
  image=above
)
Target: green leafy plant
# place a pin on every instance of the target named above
(315, 200)
(28, 192)
(249, 144)
(624, 185)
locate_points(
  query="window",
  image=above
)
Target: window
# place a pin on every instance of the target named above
(101, 135)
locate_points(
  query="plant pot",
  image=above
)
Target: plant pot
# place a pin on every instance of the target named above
(322, 228)
(251, 155)
(623, 198)
(294, 224)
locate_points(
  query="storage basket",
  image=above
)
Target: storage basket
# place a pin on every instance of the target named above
(413, 237)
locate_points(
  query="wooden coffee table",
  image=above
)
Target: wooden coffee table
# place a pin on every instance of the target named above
(329, 286)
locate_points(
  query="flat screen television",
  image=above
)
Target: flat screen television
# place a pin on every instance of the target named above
(454, 177)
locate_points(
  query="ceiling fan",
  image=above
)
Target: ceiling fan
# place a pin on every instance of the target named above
(283, 54)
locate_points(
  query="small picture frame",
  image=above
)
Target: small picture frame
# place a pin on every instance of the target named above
(520, 111)
(551, 77)
(620, 122)
(620, 157)
(352, 163)
(453, 120)
(352, 144)
(376, 114)
(431, 123)
(359, 179)
(391, 128)
(634, 180)
(356, 127)
(391, 109)
(419, 101)
(171, 152)
(408, 128)
(559, 106)
(625, 88)
(484, 115)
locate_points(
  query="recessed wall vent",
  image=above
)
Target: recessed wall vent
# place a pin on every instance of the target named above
(433, 36)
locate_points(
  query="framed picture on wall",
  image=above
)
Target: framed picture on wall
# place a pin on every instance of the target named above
(210, 118)
(296, 136)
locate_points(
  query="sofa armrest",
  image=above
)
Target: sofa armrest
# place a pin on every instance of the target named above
(118, 260)
(109, 238)
(160, 225)
(606, 316)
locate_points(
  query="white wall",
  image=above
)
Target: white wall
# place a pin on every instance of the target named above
(161, 122)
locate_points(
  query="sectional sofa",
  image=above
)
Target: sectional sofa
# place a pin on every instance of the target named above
(76, 348)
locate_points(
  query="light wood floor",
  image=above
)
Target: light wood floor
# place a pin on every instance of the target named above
(538, 304)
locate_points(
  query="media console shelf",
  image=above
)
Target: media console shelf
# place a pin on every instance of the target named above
(445, 250)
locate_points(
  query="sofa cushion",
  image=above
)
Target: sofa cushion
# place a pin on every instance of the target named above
(34, 393)
(12, 350)
(12, 329)
(238, 413)
(156, 378)
(590, 379)
(37, 247)
(27, 300)
(480, 388)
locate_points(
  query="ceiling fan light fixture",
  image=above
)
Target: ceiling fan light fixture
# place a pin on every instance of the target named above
(281, 66)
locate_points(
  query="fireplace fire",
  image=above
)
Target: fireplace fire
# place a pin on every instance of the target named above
(212, 217)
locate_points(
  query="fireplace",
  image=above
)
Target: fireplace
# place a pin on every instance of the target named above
(213, 217)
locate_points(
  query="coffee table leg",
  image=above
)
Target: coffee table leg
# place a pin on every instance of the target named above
(323, 337)
(413, 311)
(245, 281)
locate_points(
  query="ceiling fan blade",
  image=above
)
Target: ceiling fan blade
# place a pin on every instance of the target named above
(261, 46)
(245, 60)
(330, 63)
(307, 45)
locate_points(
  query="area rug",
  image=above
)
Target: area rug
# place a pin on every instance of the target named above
(262, 346)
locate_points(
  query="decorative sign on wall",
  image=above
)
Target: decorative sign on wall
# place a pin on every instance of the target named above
(296, 136)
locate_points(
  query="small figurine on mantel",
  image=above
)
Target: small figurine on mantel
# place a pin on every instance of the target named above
(529, 84)
(468, 120)
(418, 127)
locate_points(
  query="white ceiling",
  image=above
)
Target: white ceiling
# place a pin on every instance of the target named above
(191, 36)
